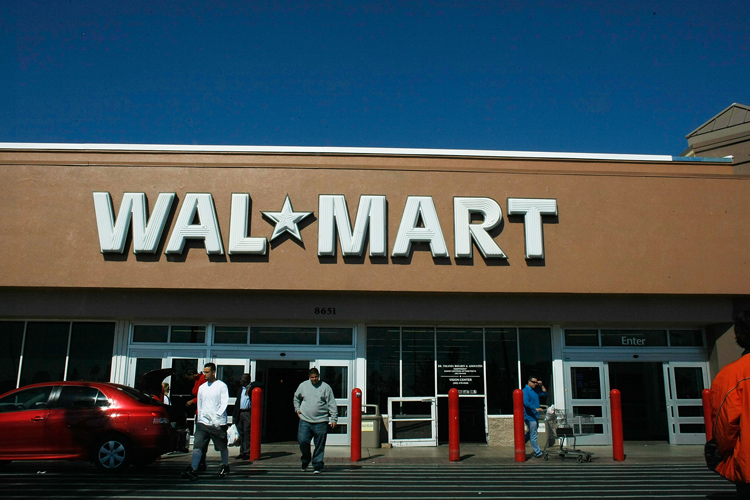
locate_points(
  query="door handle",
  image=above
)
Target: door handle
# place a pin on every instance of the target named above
(37, 419)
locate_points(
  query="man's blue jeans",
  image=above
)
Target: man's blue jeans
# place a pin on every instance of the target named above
(532, 436)
(312, 432)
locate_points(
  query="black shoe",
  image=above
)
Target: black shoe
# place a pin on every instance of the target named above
(190, 474)
(242, 457)
(202, 467)
(224, 471)
(316, 471)
(304, 467)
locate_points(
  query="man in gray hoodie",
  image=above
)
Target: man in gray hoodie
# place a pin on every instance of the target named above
(316, 409)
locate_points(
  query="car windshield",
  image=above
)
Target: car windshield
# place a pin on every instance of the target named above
(137, 395)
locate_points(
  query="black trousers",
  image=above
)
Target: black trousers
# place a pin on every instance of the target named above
(243, 426)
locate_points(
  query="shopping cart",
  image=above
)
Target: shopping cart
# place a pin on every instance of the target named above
(563, 428)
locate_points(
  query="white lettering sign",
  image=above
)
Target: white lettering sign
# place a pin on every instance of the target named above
(239, 241)
(419, 224)
(532, 210)
(633, 341)
(207, 228)
(371, 215)
(465, 232)
(419, 209)
(146, 235)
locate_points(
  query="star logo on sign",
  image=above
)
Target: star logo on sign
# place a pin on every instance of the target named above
(286, 220)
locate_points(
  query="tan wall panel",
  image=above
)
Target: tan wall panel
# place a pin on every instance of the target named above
(683, 233)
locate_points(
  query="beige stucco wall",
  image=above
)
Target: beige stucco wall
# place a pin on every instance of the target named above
(500, 431)
(623, 227)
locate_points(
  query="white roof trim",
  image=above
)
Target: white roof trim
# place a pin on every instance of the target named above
(334, 151)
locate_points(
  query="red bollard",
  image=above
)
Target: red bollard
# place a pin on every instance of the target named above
(519, 436)
(454, 441)
(618, 452)
(356, 425)
(707, 417)
(256, 412)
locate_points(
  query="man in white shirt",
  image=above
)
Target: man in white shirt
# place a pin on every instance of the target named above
(211, 422)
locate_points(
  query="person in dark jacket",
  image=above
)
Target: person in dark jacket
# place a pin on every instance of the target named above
(241, 415)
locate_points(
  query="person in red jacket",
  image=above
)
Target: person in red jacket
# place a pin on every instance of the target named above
(730, 398)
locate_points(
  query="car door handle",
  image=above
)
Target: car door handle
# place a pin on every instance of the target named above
(37, 418)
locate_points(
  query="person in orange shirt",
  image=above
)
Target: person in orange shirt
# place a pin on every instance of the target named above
(730, 398)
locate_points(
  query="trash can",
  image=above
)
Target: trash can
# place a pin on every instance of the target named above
(371, 426)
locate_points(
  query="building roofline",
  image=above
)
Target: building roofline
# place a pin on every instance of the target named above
(733, 105)
(310, 150)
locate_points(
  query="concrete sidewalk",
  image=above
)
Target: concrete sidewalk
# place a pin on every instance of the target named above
(474, 454)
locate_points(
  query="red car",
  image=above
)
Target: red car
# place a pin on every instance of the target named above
(111, 425)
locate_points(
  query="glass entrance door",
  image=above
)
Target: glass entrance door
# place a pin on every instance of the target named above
(587, 393)
(229, 371)
(685, 381)
(338, 373)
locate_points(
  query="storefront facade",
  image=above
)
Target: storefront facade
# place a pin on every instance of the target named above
(401, 272)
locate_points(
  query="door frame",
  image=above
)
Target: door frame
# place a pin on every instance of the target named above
(605, 438)
(674, 404)
(343, 438)
(249, 368)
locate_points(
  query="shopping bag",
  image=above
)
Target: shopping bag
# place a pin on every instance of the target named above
(233, 436)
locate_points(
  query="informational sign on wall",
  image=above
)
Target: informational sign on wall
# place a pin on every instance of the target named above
(468, 379)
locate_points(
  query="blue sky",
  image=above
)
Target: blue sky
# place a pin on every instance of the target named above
(630, 77)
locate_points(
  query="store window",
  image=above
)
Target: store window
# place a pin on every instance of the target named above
(44, 352)
(188, 335)
(230, 334)
(90, 355)
(418, 362)
(686, 338)
(501, 346)
(151, 333)
(633, 338)
(383, 361)
(48, 347)
(336, 336)
(401, 362)
(460, 360)
(582, 338)
(11, 341)
(535, 349)
(162, 334)
(283, 335)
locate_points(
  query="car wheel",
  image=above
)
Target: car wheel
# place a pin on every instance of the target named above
(112, 454)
